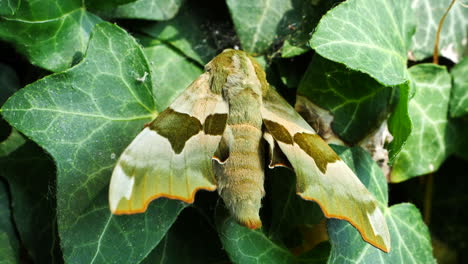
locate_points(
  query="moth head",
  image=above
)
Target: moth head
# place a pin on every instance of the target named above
(235, 68)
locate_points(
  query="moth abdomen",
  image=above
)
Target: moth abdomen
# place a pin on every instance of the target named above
(240, 178)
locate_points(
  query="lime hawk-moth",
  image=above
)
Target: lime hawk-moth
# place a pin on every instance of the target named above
(211, 137)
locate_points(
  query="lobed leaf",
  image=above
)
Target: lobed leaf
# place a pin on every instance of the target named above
(9, 243)
(185, 33)
(358, 102)
(454, 33)
(171, 73)
(147, 9)
(30, 174)
(426, 147)
(52, 35)
(9, 7)
(459, 99)
(84, 117)
(368, 36)
(259, 24)
(190, 240)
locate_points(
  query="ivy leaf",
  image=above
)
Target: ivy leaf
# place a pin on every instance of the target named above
(9, 244)
(357, 33)
(410, 239)
(167, 83)
(246, 246)
(103, 4)
(426, 147)
(297, 42)
(31, 176)
(53, 35)
(147, 9)
(84, 118)
(259, 24)
(185, 33)
(11, 143)
(459, 100)
(9, 7)
(453, 35)
(357, 102)
(399, 122)
(294, 221)
(190, 240)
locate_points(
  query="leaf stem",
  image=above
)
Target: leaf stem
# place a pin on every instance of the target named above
(428, 198)
(435, 58)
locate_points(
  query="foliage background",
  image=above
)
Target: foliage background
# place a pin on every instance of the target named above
(78, 79)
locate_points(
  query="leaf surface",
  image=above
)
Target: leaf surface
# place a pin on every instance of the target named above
(459, 100)
(9, 243)
(9, 7)
(171, 73)
(453, 36)
(372, 37)
(410, 239)
(399, 122)
(52, 35)
(186, 33)
(30, 174)
(259, 24)
(84, 118)
(147, 9)
(426, 147)
(358, 102)
(190, 240)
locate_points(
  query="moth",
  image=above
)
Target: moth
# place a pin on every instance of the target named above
(212, 136)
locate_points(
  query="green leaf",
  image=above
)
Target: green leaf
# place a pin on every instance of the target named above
(297, 41)
(290, 213)
(186, 34)
(459, 100)
(399, 122)
(372, 37)
(84, 118)
(358, 102)
(9, 7)
(8, 82)
(426, 147)
(9, 244)
(190, 240)
(11, 143)
(171, 73)
(410, 240)
(458, 141)
(147, 9)
(31, 176)
(454, 33)
(52, 35)
(103, 4)
(246, 246)
(259, 24)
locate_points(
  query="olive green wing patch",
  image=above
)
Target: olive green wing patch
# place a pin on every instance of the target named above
(321, 175)
(172, 156)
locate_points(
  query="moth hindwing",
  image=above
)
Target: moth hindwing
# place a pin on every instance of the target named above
(212, 137)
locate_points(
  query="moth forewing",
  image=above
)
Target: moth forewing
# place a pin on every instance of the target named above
(321, 175)
(171, 157)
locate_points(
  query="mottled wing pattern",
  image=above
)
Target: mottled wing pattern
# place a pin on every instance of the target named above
(172, 156)
(321, 175)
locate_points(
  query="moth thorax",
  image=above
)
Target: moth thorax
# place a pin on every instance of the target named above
(241, 177)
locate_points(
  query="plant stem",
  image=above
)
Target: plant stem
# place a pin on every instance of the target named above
(435, 58)
(428, 198)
